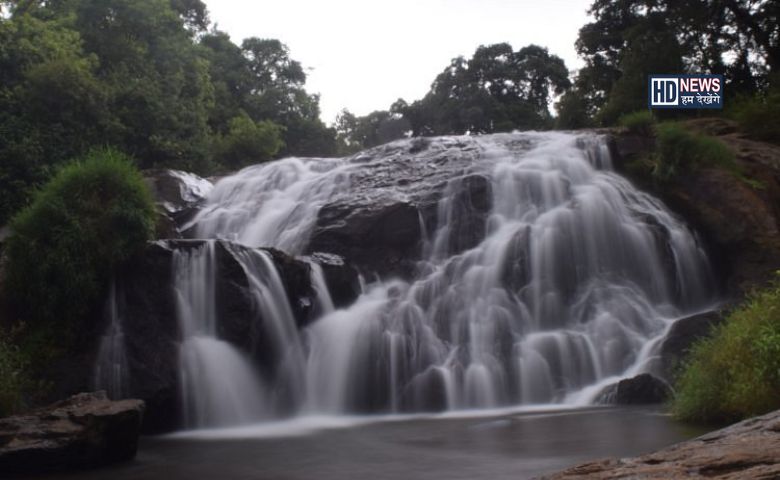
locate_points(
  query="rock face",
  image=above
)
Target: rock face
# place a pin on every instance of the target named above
(746, 450)
(640, 390)
(342, 279)
(147, 305)
(86, 430)
(381, 222)
(681, 337)
(178, 196)
(739, 221)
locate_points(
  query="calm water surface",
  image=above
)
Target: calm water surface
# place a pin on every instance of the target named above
(515, 445)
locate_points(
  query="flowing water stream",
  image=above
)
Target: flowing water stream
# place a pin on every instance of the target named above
(575, 281)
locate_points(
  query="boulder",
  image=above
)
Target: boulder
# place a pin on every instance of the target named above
(640, 390)
(86, 430)
(380, 223)
(681, 336)
(178, 196)
(342, 278)
(746, 450)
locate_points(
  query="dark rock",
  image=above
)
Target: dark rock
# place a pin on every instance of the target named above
(427, 392)
(84, 431)
(178, 196)
(738, 220)
(746, 450)
(147, 306)
(342, 279)
(380, 221)
(681, 337)
(383, 238)
(642, 389)
(296, 277)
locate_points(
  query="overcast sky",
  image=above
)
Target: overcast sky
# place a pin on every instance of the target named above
(365, 54)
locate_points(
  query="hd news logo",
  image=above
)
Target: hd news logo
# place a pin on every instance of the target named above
(685, 91)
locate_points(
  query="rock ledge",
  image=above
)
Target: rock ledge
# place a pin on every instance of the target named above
(746, 450)
(83, 431)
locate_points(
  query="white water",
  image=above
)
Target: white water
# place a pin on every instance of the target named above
(578, 276)
(219, 385)
(111, 369)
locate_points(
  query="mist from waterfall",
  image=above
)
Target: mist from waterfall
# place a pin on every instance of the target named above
(578, 276)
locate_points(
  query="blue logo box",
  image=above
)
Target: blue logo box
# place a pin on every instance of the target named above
(685, 91)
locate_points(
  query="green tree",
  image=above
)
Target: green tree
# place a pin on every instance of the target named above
(91, 217)
(498, 89)
(248, 142)
(737, 38)
(52, 105)
(379, 127)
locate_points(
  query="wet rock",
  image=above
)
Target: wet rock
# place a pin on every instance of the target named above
(640, 390)
(380, 222)
(681, 336)
(427, 392)
(342, 279)
(147, 306)
(746, 450)
(178, 196)
(738, 218)
(86, 430)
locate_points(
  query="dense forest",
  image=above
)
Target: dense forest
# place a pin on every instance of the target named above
(123, 85)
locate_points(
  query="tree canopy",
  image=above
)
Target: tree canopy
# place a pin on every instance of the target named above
(151, 78)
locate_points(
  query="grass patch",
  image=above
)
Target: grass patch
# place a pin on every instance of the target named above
(735, 373)
(641, 122)
(680, 151)
(759, 116)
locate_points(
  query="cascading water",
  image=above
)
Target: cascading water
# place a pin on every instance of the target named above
(111, 369)
(219, 386)
(577, 274)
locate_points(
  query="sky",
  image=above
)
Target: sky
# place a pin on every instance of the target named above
(365, 54)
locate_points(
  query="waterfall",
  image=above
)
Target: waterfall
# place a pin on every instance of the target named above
(111, 369)
(219, 385)
(577, 272)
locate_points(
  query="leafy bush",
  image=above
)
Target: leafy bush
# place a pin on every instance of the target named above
(13, 376)
(759, 116)
(94, 214)
(735, 373)
(248, 142)
(641, 122)
(681, 151)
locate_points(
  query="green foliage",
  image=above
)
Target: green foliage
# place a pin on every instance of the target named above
(680, 151)
(248, 142)
(356, 133)
(735, 373)
(650, 47)
(147, 77)
(496, 90)
(640, 122)
(759, 115)
(14, 379)
(93, 215)
(572, 111)
(630, 39)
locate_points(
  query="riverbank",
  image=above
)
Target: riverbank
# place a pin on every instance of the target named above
(746, 450)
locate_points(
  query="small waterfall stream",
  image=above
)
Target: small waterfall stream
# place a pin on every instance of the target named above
(577, 276)
(111, 369)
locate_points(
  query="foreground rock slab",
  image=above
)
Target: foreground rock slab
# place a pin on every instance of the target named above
(83, 431)
(746, 450)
